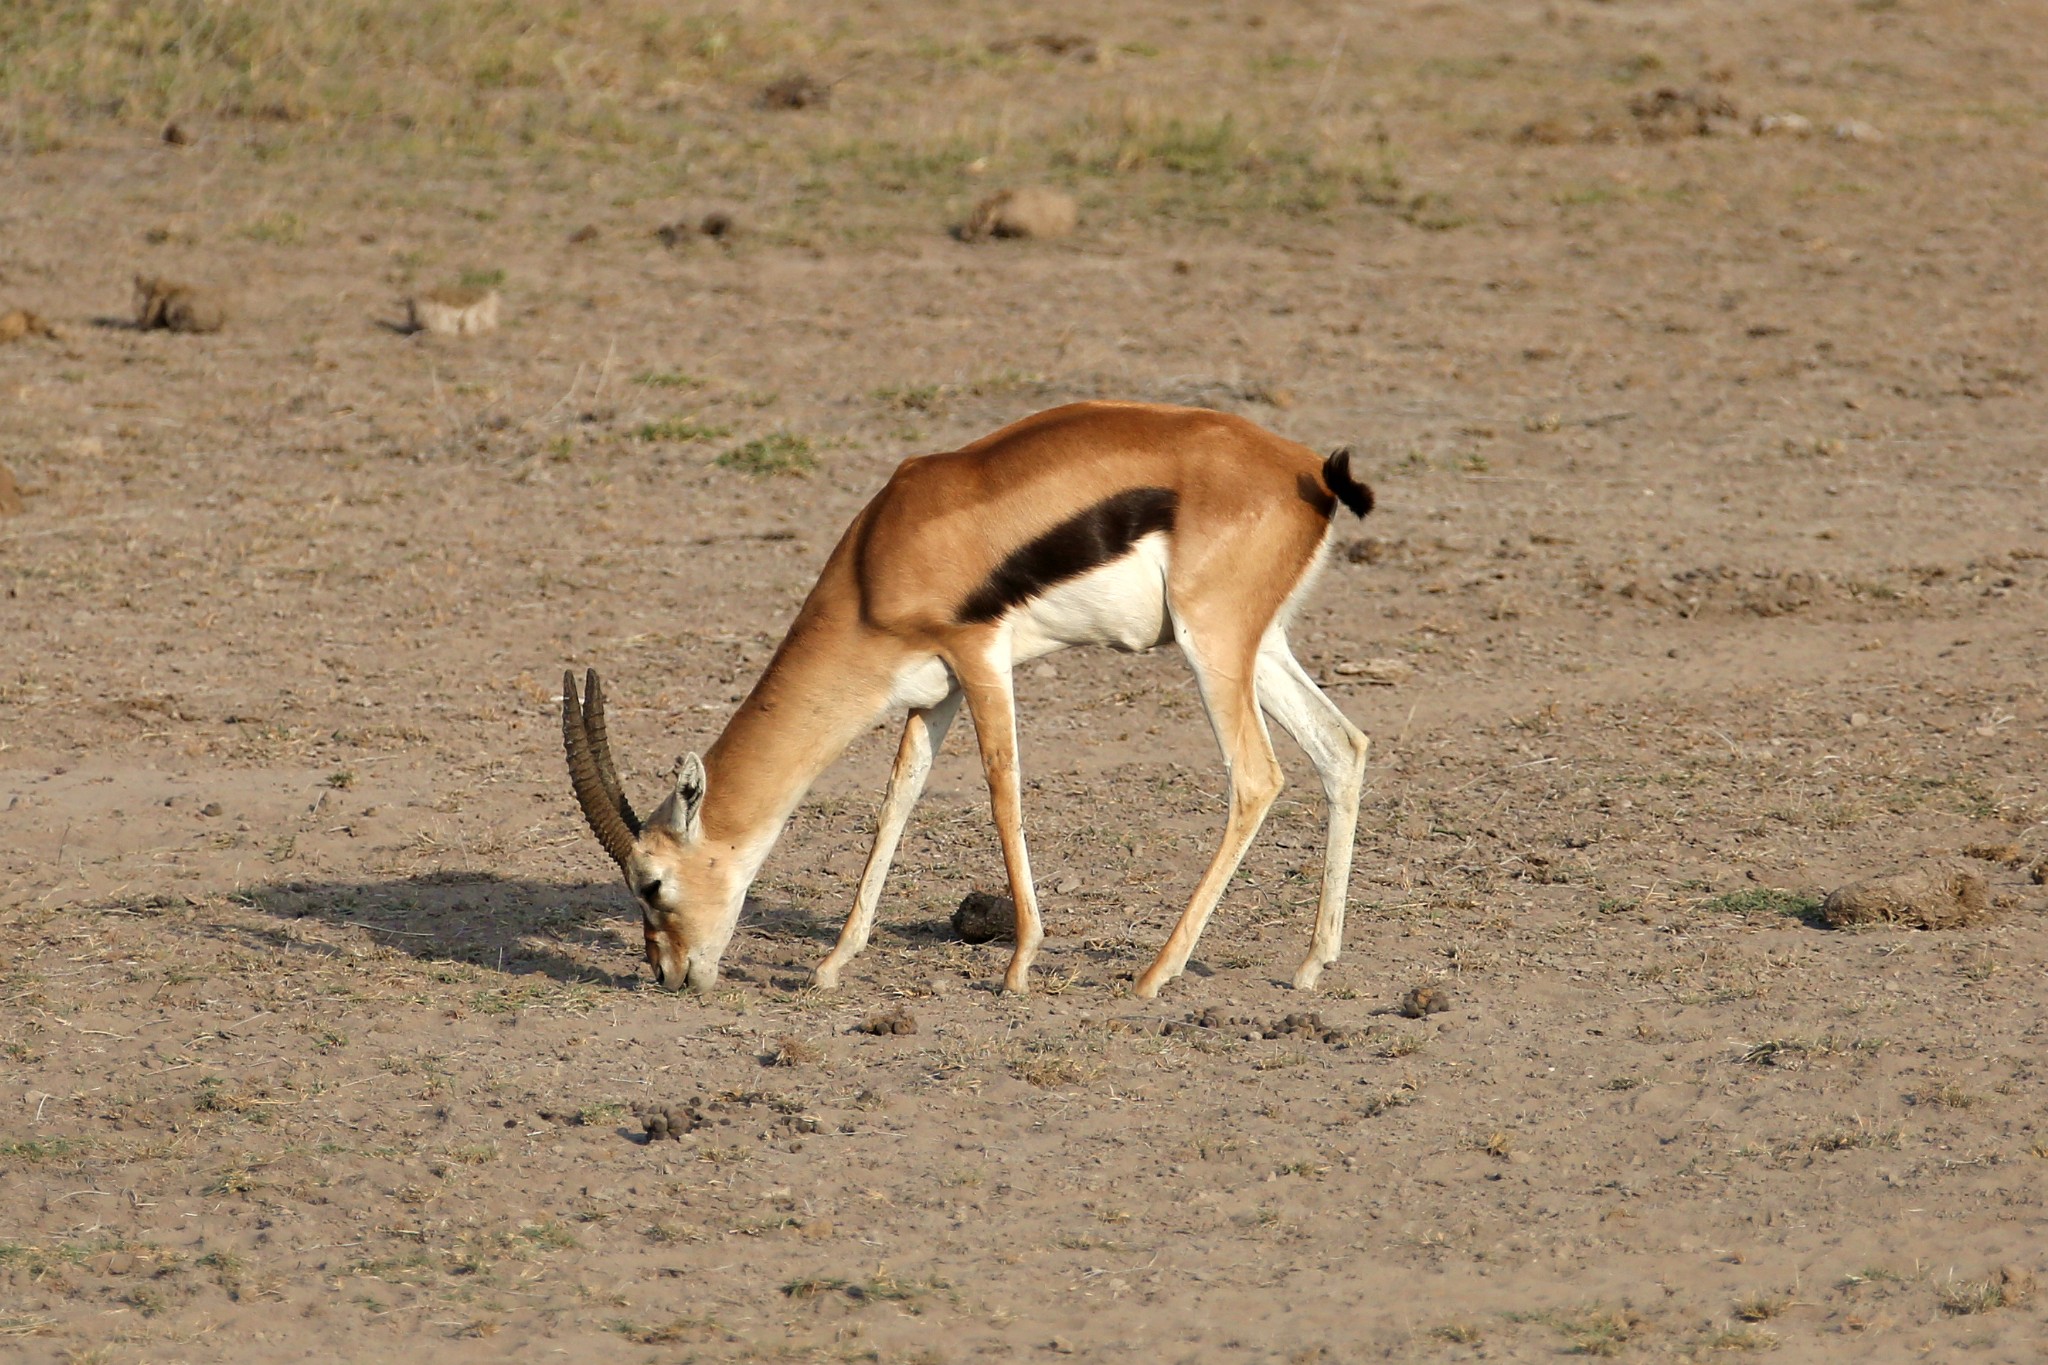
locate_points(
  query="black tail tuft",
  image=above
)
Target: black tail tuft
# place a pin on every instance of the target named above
(1347, 490)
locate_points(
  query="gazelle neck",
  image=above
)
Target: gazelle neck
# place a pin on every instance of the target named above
(827, 682)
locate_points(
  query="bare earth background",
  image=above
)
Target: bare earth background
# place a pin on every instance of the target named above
(1713, 534)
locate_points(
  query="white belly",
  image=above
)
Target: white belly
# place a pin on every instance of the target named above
(1122, 605)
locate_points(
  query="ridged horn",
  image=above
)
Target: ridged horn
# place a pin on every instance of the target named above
(601, 748)
(591, 772)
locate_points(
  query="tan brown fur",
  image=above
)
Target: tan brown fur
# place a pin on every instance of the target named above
(1251, 514)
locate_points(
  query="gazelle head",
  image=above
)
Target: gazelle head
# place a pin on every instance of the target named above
(687, 905)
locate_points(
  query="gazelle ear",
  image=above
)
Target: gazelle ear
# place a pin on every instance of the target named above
(689, 795)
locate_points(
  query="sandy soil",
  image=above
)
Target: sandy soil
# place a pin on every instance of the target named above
(1713, 536)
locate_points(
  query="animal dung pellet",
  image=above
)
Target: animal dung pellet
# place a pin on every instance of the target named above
(456, 311)
(1309, 1026)
(1423, 1000)
(717, 225)
(1033, 211)
(17, 323)
(797, 90)
(166, 305)
(898, 1022)
(11, 504)
(984, 917)
(1931, 896)
(671, 1120)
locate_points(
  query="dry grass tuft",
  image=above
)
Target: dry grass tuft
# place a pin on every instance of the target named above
(791, 1051)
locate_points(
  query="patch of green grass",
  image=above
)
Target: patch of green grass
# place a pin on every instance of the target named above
(35, 1151)
(884, 1287)
(681, 429)
(664, 1334)
(778, 453)
(482, 279)
(278, 229)
(549, 1236)
(1764, 900)
(668, 379)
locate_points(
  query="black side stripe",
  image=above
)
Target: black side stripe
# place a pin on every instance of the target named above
(1084, 541)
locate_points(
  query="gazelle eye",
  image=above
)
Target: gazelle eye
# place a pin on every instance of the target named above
(651, 891)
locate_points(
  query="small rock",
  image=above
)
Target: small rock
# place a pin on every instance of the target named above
(1782, 125)
(1383, 672)
(1366, 550)
(2040, 873)
(210, 808)
(173, 307)
(454, 312)
(1424, 1000)
(1855, 130)
(587, 233)
(176, 134)
(1932, 896)
(1668, 113)
(1034, 212)
(984, 917)
(17, 323)
(2016, 1284)
(1858, 719)
(1060, 1345)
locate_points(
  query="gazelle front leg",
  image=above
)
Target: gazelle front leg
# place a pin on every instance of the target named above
(994, 706)
(924, 733)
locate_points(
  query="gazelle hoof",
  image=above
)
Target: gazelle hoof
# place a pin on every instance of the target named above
(825, 978)
(1307, 975)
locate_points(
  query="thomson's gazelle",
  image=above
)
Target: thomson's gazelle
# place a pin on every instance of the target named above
(1124, 524)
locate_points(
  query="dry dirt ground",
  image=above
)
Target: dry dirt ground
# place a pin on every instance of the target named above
(1712, 549)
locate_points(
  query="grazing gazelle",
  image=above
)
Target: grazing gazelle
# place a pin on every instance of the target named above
(1120, 524)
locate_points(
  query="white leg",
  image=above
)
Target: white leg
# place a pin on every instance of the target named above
(1338, 750)
(924, 733)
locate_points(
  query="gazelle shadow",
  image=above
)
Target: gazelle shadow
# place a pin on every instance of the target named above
(570, 932)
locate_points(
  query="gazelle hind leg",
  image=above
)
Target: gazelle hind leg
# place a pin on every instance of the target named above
(993, 703)
(924, 732)
(1225, 678)
(1338, 750)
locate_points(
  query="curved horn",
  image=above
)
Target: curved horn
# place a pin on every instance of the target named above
(607, 822)
(601, 748)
